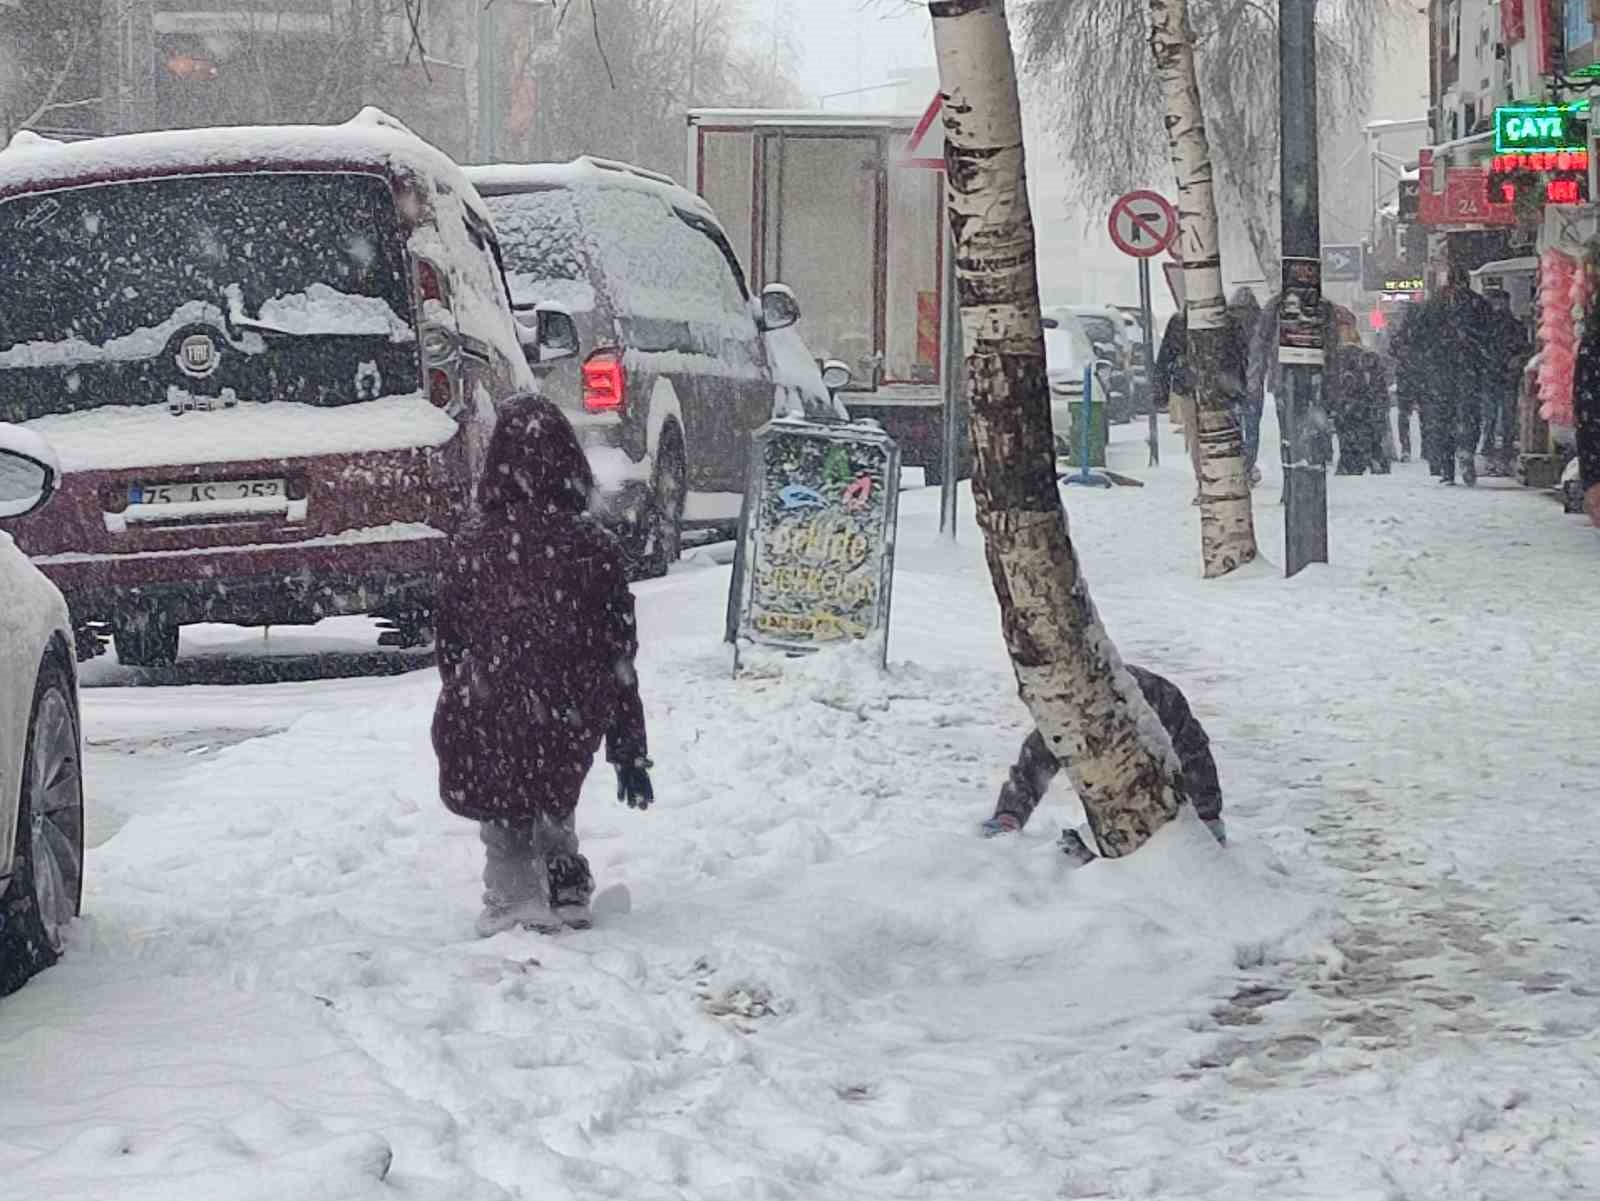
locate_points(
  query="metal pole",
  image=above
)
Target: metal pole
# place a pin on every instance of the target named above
(1147, 322)
(953, 370)
(488, 62)
(1305, 478)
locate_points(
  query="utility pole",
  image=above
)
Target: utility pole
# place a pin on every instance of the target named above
(1301, 349)
(488, 63)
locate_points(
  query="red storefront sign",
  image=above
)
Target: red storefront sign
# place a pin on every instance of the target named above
(1464, 198)
(1513, 22)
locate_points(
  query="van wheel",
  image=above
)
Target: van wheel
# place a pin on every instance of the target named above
(46, 887)
(145, 640)
(668, 492)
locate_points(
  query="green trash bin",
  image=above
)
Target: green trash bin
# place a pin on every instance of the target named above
(1099, 430)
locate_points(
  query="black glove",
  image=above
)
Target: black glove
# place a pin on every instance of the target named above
(633, 784)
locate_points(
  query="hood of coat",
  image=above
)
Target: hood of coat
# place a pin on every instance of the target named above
(534, 461)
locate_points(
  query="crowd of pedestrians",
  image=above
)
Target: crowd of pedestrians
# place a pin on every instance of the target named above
(1455, 362)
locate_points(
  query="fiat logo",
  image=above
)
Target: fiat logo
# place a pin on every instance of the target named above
(197, 356)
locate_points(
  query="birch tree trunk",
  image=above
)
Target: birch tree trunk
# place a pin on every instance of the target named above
(1227, 524)
(1085, 704)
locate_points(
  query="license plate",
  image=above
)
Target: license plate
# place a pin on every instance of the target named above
(204, 493)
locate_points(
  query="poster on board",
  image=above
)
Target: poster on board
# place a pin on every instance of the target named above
(815, 561)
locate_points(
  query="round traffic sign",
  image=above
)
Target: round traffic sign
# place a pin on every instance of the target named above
(1143, 224)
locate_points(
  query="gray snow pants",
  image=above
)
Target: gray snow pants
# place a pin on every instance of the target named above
(515, 853)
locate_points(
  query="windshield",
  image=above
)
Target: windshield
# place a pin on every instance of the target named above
(298, 280)
(1067, 351)
(1099, 329)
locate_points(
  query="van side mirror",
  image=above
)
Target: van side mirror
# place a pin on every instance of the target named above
(779, 308)
(835, 375)
(28, 471)
(554, 329)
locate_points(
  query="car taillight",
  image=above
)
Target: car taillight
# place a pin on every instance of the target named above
(431, 283)
(604, 385)
(441, 388)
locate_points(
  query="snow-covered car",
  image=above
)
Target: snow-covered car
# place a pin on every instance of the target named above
(673, 365)
(268, 359)
(41, 788)
(1068, 354)
(1109, 335)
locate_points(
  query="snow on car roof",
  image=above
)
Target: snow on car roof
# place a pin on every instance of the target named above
(502, 179)
(372, 138)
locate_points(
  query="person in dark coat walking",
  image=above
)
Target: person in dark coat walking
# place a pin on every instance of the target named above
(1410, 383)
(1450, 338)
(536, 642)
(1586, 410)
(1036, 766)
(1508, 348)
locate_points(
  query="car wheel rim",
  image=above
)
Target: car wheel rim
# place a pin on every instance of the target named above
(56, 812)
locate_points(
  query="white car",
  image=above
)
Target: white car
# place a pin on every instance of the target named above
(1068, 354)
(41, 786)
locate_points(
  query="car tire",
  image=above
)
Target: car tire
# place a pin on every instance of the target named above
(662, 537)
(46, 888)
(146, 640)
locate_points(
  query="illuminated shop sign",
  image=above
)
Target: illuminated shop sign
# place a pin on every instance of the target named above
(1542, 178)
(1540, 128)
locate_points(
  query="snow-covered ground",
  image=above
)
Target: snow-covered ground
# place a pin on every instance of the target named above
(828, 986)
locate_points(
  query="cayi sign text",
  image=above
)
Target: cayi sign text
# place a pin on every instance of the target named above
(1540, 129)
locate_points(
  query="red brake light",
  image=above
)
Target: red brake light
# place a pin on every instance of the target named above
(603, 382)
(430, 283)
(440, 390)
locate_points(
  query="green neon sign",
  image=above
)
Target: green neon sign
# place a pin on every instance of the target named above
(1540, 128)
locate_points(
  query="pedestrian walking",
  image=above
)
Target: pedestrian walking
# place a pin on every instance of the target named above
(1410, 382)
(536, 643)
(1449, 336)
(1507, 345)
(1173, 385)
(1036, 766)
(1266, 371)
(1245, 386)
(1172, 391)
(1586, 410)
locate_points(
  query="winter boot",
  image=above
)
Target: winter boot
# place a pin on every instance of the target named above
(1001, 823)
(499, 916)
(1075, 849)
(1469, 468)
(571, 886)
(1218, 830)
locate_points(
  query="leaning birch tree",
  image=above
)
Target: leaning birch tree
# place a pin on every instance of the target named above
(1069, 674)
(1227, 522)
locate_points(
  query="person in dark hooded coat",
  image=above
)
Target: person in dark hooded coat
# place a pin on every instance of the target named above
(536, 642)
(1037, 766)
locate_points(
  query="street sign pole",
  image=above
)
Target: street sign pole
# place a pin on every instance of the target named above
(952, 370)
(1142, 226)
(1147, 323)
(1305, 476)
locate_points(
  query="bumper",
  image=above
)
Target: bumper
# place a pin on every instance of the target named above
(384, 570)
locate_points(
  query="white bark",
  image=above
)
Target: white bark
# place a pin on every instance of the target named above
(1227, 524)
(1069, 674)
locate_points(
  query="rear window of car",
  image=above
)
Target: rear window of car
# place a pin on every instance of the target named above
(543, 248)
(303, 274)
(660, 264)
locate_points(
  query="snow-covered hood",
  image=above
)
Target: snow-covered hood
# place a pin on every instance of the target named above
(118, 437)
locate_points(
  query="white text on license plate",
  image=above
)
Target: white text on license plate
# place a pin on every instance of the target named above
(204, 493)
